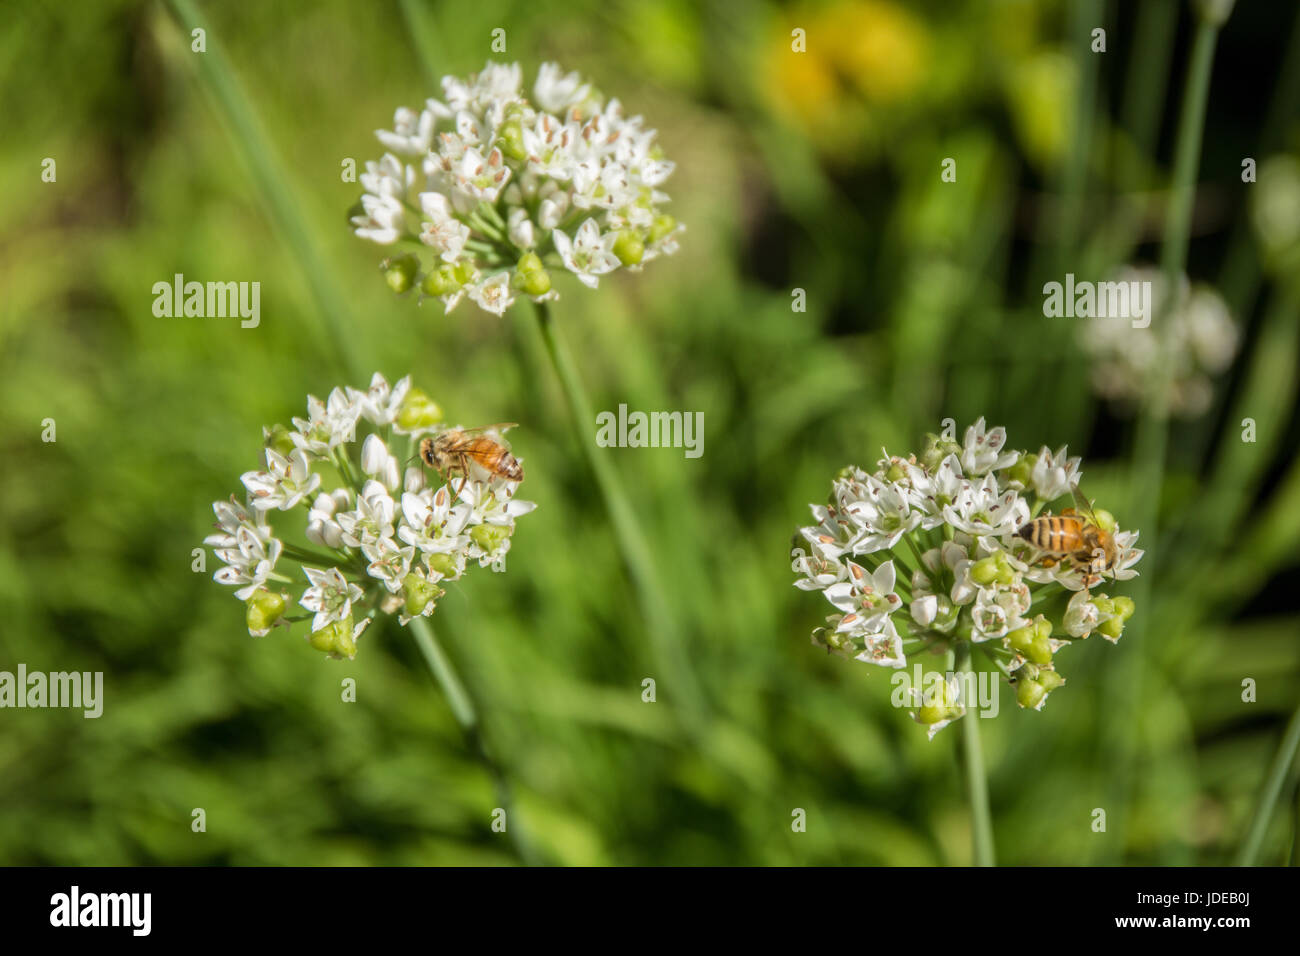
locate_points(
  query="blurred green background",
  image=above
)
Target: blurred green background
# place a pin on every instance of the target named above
(817, 171)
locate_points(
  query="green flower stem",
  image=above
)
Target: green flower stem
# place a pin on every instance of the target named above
(462, 706)
(655, 606)
(307, 556)
(1277, 775)
(1152, 435)
(977, 788)
(275, 185)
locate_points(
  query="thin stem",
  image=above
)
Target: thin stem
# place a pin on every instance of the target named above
(1277, 775)
(1152, 434)
(462, 706)
(655, 606)
(275, 185)
(977, 788)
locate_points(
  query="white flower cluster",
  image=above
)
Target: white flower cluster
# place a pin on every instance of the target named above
(374, 537)
(941, 534)
(496, 188)
(1187, 343)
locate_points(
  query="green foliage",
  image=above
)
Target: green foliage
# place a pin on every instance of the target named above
(922, 303)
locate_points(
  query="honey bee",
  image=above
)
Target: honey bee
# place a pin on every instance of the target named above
(1073, 535)
(452, 451)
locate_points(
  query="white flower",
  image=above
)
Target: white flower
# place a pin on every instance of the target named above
(442, 231)
(249, 563)
(498, 175)
(984, 510)
(321, 526)
(328, 424)
(1082, 616)
(818, 572)
(384, 221)
(412, 132)
(388, 177)
(480, 178)
(432, 522)
(372, 519)
(983, 452)
(883, 646)
(285, 482)
(381, 405)
(1053, 475)
(555, 91)
(493, 294)
(588, 255)
(389, 562)
(231, 517)
(866, 598)
(330, 596)
(930, 493)
(378, 463)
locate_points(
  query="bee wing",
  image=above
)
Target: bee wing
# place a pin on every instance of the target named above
(1083, 504)
(497, 430)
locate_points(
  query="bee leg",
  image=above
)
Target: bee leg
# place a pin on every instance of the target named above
(464, 472)
(1050, 562)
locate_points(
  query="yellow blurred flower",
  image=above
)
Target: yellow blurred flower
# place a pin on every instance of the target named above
(859, 55)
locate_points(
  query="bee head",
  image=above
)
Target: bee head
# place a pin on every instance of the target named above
(426, 452)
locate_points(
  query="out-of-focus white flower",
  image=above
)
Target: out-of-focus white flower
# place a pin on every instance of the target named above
(562, 175)
(1172, 361)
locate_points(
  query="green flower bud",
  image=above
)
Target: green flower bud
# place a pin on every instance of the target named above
(1050, 680)
(419, 593)
(663, 225)
(441, 281)
(1105, 520)
(896, 472)
(277, 438)
(1124, 607)
(985, 571)
(529, 262)
(936, 450)
(400, 273)
(1029, 693)
(629, 248)
(1042, 627)
(510, 140)
(335, 639)
(1021, 639)
(931, 713)
(537, 283)
(264, 609)
(465, 272)
(1039, 650)
(1104, 604)
(418, 411)
(1022, 470)
(489, 536)
(1112, 627)
(443, 565)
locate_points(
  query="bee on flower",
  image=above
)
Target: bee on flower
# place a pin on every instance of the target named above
(369, 534)
(496, 185)
(959, 545)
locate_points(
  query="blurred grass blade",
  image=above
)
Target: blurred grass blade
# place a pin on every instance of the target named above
(1277, 775)
(276, 189)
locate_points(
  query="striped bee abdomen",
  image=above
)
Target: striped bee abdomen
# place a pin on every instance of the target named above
(1053, 533)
